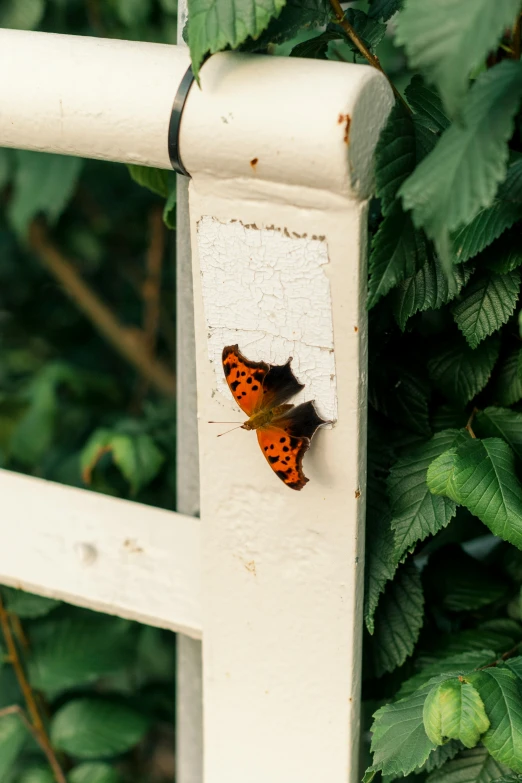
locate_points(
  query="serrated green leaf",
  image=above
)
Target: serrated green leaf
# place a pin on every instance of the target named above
(43, 183)
(428, 289)
(414, 514)
(505, 254)
(483, 479)
(509, 779)
(426, 103)
(454, 710)
(96, 772)
(398, 151)
(26, 605)
(379, 561)
(316, 48)
(460, 583)
(72, 651)
(452, 665)
(384, 9)
(498, 635)
(447, 39)
(503, 423)
(515, 665)
(398, 250)
(439, 756)
(471, 766)
(461, 372)
(136, 455)
(461, 175)
(399, 741)
(366, 26)
(486, 304)
(216, 25)
(485, 228)
(296, 16)
(13, 735)
(88, 728)
(398, 620)
(501, 692)
(508, 383)
(156, 180)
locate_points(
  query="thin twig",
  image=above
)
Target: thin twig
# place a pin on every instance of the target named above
(38, 728)
(504, 657)
(361, 46)
(128, 341)
(470, 422)
(517, 38)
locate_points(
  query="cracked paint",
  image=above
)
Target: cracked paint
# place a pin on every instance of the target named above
(267, 290)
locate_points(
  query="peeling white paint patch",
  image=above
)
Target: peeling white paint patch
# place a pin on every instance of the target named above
(267, 291)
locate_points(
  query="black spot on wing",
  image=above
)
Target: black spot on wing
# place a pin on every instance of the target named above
(234, 385)
(273, 460)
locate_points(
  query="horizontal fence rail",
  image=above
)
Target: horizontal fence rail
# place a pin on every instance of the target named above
(100, 552)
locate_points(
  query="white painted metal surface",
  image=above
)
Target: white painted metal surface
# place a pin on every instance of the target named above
(280, 186)
(107, 554)
(91, 97)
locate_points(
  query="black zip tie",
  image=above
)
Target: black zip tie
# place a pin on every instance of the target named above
(175, 122)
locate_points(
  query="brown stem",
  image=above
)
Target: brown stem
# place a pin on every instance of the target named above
(504, 657)
(517, 38)
(359, 43)
(38, 728)
(128, 341)
(470, 422)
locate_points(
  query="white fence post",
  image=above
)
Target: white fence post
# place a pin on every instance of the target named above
(280, 154)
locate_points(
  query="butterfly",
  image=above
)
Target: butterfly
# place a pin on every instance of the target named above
(284, 431)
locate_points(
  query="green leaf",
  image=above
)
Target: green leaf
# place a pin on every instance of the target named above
(398, 250)
(156, 180)
(447, 39)
(91, 728)
(460, 372)
(380, 566)
(484, 229)
(415, 515)
(454, 710)
(399, 741)
(501, 692)
(440, 755)
(505, 254)
(452, 665)
(368, 29)
(13, 735)
(508, 384)
(398, 151)
(296, 16)
(515, 665)
(215, 25)
(169, 210)
(26, 605)
(43, 183)
(425, 101)
(428, 289)
(486, 304)
(461, 175)
(398, 620)
(460, 583)
(22, 14)
(400, 394)
(136, 455)
(482, 478)
(71, 651)
(316, 48)
(471, 766)
(36, 775)
(384, 9)
(93, 773)
(500, 423)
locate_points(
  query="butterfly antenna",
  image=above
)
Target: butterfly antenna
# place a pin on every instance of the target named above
(232, 430)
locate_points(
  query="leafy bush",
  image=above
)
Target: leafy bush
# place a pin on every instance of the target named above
(444, 568)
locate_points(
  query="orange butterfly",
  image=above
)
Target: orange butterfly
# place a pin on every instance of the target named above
(284, 431)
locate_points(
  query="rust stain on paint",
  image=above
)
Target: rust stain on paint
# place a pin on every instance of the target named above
(254, 163)
(345, 119)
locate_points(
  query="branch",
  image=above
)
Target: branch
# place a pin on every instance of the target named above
(470, 422)
(38, 729)
(129, 342)
(359, 43)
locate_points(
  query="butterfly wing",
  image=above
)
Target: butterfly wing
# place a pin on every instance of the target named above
(284, 453)
(285, 441)
(256, 385)
(245, 379)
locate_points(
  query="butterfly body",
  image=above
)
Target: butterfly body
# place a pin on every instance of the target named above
(284, 431)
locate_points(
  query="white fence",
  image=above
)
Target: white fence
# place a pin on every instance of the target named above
(280, 156)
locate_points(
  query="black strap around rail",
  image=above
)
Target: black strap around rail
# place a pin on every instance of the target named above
(175, 122)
